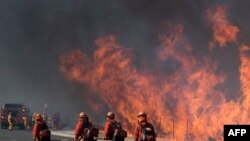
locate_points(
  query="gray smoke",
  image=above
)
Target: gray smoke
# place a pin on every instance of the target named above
(34, 34)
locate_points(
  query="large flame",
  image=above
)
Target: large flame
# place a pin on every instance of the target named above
(245, 81)
(185, 104)
(223, 31)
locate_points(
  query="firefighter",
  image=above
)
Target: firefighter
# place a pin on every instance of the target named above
(113, 129)
(10, 121)
(40, 129)
(56, 119)
(82, 130)
(33, 119)
(108, 131)
(44, 116)
(144, 131)
(26, 122)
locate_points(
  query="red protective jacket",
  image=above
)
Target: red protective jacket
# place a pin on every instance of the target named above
(108, 129)
(79, 130)
(39, 126)
(138, 131)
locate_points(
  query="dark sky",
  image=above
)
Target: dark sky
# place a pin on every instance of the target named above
(33, 35)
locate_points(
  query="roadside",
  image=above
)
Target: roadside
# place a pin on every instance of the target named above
(70, 134)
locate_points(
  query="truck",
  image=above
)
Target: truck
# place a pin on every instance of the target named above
(20, 114)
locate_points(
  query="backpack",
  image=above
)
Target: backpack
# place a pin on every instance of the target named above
(44, 133)
(147, 133)
(118, 130)
(90, 132)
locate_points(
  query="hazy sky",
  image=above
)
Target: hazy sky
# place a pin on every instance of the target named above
(33, 35)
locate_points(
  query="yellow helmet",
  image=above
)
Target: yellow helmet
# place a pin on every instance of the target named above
(142, 114)
(110, 115)
(83, 115)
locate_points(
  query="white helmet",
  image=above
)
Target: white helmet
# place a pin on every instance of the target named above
(110, 115)
(83, 115)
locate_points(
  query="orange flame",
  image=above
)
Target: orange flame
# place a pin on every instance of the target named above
(186, 104)
(223, 31)
(116, 79)
(245, 81)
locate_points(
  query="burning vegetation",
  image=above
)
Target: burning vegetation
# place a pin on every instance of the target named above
(183, 104)
(223, 31)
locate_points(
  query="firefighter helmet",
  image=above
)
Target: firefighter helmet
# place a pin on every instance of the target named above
(83, 115)
(110, 115)
(142, 114)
